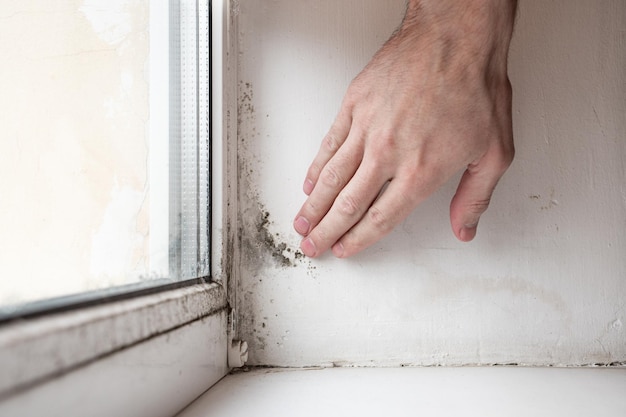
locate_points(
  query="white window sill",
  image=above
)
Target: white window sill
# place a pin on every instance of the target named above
(462, 391)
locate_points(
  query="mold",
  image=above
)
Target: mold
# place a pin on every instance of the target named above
(273, 247)
(257, 241)
(245, 106)
(259, 244)
(263, 247)
(260, 342)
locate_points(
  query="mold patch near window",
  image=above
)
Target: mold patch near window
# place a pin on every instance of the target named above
(257, 241)
(281, 253)
(259, 244)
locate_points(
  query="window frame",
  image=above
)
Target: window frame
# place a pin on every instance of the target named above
(45, 358)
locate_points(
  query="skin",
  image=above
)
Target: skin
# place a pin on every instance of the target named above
(434, 100)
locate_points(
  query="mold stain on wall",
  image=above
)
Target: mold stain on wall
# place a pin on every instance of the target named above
(258, 243)
(261, 247)
(540, 285)
(263, 250)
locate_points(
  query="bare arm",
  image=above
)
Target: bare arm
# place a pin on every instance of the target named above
(434, 99)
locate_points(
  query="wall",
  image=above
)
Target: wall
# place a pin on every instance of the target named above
(543, 282)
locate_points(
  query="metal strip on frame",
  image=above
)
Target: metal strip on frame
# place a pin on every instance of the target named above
(189, 139)
(204, 112)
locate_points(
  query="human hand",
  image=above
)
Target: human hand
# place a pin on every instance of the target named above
(434, 99)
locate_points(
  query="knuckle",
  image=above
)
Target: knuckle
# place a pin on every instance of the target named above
(310, 207)
(330, 143)
(314, 171)
(355, 92)
(347, 205)
(410, 198)
(330, 177)
(409, 194)
(507, 90)
(478, 206)
(379, 220)
(505, 162)
(386, 140)
(322, 236)
(509, 154)
(504, 158)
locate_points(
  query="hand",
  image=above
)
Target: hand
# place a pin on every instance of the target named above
(434, 99)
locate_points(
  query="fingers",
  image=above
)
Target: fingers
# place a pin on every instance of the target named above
(330, 182)
(474, 192)
(331, 143)
(403, 195)
(347, 209)
(391, 208)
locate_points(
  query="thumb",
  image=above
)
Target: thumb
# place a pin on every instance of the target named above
(474, 194)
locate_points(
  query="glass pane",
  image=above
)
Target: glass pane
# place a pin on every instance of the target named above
(104, 146)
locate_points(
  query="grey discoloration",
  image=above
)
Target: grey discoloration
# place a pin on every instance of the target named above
(265, 250)
(259, 244)
(274, 248)
(257, 241)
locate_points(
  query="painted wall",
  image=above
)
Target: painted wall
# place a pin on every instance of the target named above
(544, 282)
(74, 147)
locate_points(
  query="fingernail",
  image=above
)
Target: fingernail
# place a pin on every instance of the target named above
(338, 250)
(302, 226)
(467, 233)
(308, 247)
(308, 186)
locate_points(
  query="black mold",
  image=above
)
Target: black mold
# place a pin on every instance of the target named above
(271, 244)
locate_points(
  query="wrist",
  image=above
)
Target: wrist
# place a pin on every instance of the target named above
(475, 32)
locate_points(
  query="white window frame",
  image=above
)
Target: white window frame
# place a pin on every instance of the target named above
(149, 355)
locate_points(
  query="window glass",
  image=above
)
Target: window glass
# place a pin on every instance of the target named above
(104, 167)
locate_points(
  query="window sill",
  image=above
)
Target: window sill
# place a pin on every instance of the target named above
(481, 391)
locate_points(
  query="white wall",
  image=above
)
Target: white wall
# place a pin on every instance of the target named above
(544, 282)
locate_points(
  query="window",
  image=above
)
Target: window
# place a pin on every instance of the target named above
(107, 195)
(105, 150)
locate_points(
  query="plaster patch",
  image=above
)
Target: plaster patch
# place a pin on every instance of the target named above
(119, 105)
(111, 20)
(117, 238)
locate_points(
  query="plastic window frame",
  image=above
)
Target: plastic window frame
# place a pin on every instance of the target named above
(44, 359)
